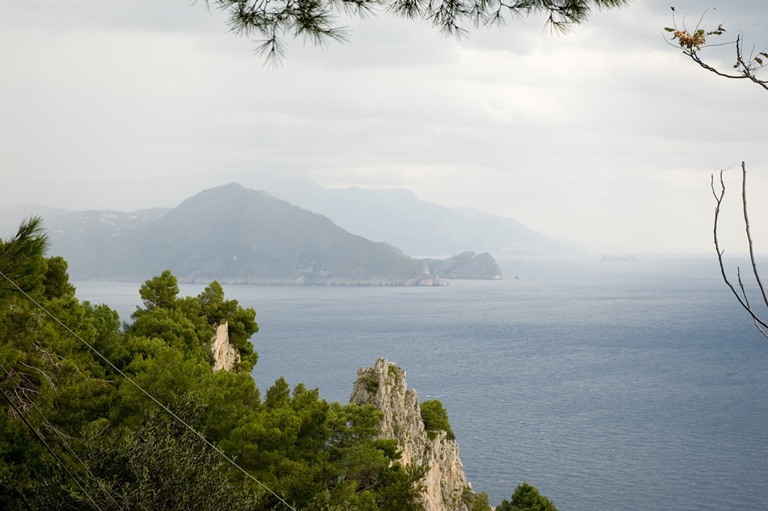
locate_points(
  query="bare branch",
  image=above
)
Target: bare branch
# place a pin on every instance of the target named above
(746, 300)
(749, 235)
(740, 297)
(693, 43)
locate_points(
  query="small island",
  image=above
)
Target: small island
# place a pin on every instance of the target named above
(466, 265)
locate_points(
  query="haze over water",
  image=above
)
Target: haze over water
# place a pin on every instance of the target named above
(627, 386)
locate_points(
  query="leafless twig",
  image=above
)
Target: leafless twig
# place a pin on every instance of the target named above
(740, 295)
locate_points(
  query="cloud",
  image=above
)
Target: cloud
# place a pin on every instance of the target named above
(604, 133)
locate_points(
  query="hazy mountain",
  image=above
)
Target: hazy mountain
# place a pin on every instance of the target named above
(94, 242)
(231, 234)
(417, 227)
(12, 216)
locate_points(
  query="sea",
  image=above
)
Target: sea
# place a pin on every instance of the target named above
(623, 385)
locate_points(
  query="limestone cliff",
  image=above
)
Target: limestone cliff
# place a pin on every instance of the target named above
(225, 355)
(445, 484)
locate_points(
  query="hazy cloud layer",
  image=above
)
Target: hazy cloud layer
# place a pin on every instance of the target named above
(605, 134)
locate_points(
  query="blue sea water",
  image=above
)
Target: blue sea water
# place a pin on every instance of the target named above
(622, 386)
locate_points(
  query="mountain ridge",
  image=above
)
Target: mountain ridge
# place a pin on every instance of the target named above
(234, 235)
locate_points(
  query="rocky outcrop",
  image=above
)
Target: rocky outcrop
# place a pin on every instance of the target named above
(225, 355)
(445, 485)
(466, 265)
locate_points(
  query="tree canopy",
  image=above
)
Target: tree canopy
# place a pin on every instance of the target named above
(317, 20)
(21, 257)
(435, 418)
(526, 498)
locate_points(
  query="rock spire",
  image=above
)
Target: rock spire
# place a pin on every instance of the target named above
(445, 485)
(225, 354)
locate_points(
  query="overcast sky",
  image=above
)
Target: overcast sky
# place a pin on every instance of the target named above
(605, 134)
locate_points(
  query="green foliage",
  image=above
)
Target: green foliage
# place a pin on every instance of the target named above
(159, 465)
(242, 325)
(162, 465)
(22, 258)
(371, 383)
(20, 461)
(481, 502)
(526, 498)
(435, 419)
(128, 454)
(48, 376)
(56, 279)
(213, 306)
(187, 324)
(160, 291)
(324, 456)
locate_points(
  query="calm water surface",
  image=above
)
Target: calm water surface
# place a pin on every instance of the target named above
(623, 386)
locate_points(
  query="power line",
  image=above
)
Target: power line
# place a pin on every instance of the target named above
(150, 396)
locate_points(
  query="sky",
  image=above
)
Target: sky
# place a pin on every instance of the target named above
(606, 134)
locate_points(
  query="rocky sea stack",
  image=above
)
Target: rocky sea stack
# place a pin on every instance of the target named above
(445, 486)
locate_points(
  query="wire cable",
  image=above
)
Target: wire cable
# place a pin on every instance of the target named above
(150, 396)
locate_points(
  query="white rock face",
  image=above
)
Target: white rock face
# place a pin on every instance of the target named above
(445, 485)
(225, 355)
